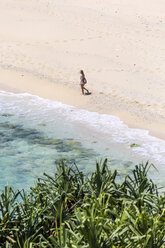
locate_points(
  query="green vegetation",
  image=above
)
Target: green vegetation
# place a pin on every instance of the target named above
(42, 124)
(134, 145)
(71, 210)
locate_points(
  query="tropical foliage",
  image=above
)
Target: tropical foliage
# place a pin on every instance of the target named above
(71, 210)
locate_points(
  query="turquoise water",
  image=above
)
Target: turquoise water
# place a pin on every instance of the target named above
(27, 152)
(36, 133)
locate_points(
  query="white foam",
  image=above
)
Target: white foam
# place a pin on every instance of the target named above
(111, 128)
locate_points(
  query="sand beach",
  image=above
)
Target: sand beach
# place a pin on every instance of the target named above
(82, 170)
(119, 44)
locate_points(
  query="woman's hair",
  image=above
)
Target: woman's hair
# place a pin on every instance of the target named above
(81, 72)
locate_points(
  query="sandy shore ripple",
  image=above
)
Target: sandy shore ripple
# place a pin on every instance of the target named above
(119, 44)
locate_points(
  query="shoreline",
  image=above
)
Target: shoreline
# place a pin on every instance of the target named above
(16, 81)
(119, 45)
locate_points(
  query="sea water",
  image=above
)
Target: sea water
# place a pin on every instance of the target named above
(37, 133)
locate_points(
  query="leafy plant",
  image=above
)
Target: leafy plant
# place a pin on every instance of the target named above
(71, 210)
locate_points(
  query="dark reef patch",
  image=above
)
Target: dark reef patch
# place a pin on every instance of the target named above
(6, 115)
(10, 132)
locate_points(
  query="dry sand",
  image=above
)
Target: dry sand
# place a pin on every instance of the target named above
(120, 44)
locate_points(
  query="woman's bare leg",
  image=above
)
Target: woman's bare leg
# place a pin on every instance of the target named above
(82, 88)
(86, 89)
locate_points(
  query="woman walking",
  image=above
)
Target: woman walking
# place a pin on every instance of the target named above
(83, 81)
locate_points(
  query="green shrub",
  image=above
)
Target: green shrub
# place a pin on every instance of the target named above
(71, 210)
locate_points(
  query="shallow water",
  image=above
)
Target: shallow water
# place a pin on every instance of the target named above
(35, 133)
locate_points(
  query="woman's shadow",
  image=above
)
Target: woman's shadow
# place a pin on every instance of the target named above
(88, 93)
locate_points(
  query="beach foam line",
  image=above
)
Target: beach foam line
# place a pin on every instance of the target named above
(109, 127)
